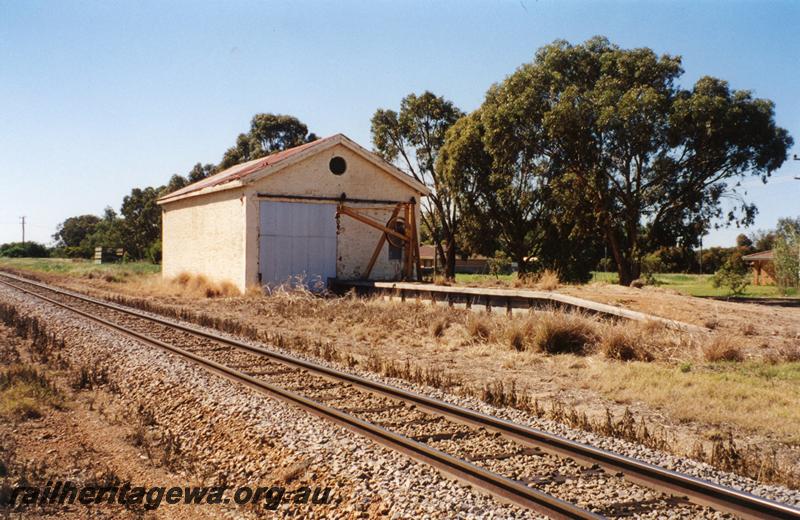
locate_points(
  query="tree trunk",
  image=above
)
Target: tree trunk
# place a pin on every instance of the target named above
(440, 253)
(450, 259)
(624, 267)
(626, 276)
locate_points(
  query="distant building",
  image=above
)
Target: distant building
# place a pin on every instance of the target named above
(763, 266)
(472, 265)
(325, 209)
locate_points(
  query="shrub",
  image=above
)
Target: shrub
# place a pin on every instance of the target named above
(154, 252)
(24, 250)
(652, 263)
(500, 264)
(787, 260)
(734, 274)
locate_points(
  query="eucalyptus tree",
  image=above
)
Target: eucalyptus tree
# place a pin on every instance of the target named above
(269, 133)
(411, 138)
(625, 152)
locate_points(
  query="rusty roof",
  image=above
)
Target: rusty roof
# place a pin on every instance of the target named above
(761, 255)
(241, 171)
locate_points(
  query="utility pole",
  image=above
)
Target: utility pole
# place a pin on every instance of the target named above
(796, 158)
(22, 221)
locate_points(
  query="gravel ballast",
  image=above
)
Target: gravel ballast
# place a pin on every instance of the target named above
(240, 416)
(228, 433)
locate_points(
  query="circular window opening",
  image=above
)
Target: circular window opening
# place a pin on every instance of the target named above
(337, 165)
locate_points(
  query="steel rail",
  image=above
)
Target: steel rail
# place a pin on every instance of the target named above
(497, 485)
(741, 503)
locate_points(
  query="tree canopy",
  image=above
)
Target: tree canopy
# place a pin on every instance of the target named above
(412, 138)
(269, 133)
(623, 151)
(74, 230)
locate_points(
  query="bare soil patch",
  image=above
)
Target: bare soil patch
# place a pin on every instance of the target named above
(757, 325)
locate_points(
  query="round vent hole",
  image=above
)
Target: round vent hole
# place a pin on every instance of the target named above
(337, 165)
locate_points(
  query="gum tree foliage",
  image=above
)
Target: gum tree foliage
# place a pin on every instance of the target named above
(109, 232)
(411, 138)
(269, 133)
(141, 221)
(511, 211)
(198, 172)
(73, 234)
(628, 154)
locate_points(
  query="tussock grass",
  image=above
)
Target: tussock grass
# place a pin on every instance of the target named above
(519, 334)
(722, 348)
(438, 327)
(548, 280)
(478, 327)
(562, 333)
(624, 344)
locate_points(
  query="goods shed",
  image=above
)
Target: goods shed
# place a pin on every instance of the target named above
(325, 209)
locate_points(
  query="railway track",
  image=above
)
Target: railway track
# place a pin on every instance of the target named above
(534, 469)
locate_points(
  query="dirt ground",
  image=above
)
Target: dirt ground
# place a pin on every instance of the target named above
(756, 324)
(87, 441)
(689, 406)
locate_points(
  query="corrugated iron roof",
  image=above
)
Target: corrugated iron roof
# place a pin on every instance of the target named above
(761, 255)
(244, 169)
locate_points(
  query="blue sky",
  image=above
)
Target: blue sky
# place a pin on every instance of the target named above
(99, 97)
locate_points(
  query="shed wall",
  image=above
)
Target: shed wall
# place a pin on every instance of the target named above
(356, 240)
(206, 235)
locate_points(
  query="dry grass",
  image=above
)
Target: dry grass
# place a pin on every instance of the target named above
(254, 291)
(184, 285)
(478, 327)
(438, 327)
(25, 392)
(624, 344)
(722, 348)
(750, 395)
(748, 329)
(790, 354)
(548, 280)
(562, 333)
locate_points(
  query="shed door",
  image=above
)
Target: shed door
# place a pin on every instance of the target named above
(297, 241)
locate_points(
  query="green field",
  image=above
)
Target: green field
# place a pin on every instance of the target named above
(700, 285)
(79, 267)
(691, 284)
